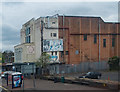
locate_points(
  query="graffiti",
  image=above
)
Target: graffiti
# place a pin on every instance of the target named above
(53, 58)
(52, 45)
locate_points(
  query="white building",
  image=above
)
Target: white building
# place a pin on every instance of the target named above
(37, 36)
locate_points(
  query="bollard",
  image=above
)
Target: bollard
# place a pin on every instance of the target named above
(62, 79)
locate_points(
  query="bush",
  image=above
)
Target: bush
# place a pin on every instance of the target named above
(114, 63)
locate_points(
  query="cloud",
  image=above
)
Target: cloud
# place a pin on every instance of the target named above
(10, 36)
(59, 0)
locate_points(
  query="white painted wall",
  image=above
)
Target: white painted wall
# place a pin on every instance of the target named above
(37, 39)
(35, 26)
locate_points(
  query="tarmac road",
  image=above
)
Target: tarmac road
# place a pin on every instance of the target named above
(50, 85)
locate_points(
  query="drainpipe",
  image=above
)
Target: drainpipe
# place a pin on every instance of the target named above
(99, 43)
(41, 36)
(48, 21)
(63, 38)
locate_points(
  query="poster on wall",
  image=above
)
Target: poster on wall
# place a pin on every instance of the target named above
(52, 45)
(53, 58)
(17, 81)
(9, 79)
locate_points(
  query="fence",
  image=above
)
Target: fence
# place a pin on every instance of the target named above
(64, 68)
(78, 68)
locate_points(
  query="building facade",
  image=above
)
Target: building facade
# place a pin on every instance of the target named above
(88, 39)
(68, 39)
(37, 36)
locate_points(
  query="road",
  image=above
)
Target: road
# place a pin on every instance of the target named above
(50, 85)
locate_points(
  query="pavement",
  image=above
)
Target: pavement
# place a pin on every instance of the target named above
(50, 85)
(2, 89)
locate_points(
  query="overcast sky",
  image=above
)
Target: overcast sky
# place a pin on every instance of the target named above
(15, 14)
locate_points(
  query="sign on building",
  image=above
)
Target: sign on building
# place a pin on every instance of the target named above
(52, 45)
(30, 49)
(28, 69)
(18, 54)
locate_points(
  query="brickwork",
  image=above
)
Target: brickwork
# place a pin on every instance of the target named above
(79, 50)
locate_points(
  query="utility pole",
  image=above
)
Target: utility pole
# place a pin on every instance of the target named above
(33, 76)
(42, 41)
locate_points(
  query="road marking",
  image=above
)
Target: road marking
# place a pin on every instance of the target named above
(4, 88)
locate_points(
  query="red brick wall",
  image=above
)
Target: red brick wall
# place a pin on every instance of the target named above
(74, 30)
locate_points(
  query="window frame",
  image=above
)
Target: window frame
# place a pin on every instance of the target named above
(56, 53)
(54, 34)
(66, 52)
(85, 37)
(95, 39)
(52, 53)
(51, 35)
(104, 43)
(53, 22)
(113, 42)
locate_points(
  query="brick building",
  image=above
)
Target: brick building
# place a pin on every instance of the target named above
(88, 39)
(85, 39)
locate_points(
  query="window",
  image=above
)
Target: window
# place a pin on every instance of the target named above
(113, 42)
(95, 39)
(66, 52)
(55, 53)
(53, 22)
(27, 34)
(54, 34)
(76, 52)
(85, 37)
(27, 31)
(104, 42)
(27, 39)
(51, 34)
(52, 53)
(62, 53)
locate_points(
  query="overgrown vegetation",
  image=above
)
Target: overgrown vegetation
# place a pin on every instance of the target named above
(43, 60)
(114, 63)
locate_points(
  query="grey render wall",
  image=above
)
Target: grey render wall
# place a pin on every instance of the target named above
(37, 39)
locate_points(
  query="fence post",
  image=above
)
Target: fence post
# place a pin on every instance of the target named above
(33, 76)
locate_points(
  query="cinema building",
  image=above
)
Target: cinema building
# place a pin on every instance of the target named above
(68, 39)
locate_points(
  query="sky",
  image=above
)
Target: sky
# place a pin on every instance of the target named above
(13, 14)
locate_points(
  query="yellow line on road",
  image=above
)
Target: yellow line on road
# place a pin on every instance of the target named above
(4, 88)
